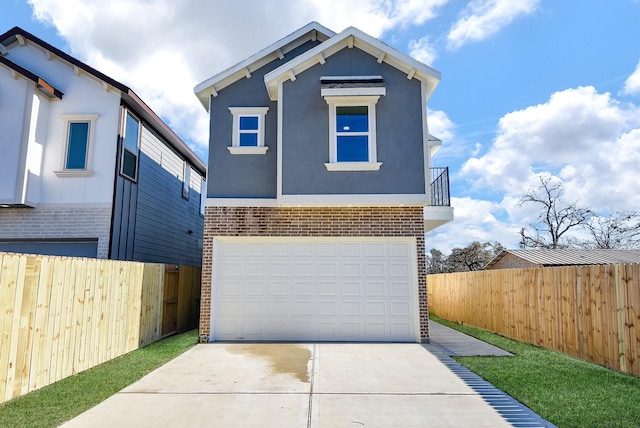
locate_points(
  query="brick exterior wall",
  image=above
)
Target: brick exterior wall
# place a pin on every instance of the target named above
(312, 222)
(511, 261)
(50, 222)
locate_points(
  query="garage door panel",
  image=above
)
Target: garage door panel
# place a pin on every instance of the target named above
(399, 270)
(278, 269)
(327, 289)
(300, 289)
(400, 309)
(327, 270)
(352, 270)
(399, 289)
(350, 289)
(314, 289)
(351, 308)
(375, 270)
(376, 309)
(375, 289)
(374, 250)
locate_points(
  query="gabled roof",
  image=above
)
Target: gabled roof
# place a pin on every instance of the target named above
(569, 257)
(349, 38)
(310, 32)
(43, 86)
(17, 36)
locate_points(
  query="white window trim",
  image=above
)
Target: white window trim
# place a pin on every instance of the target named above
(360, 100)
(87, 171)
(238, 112)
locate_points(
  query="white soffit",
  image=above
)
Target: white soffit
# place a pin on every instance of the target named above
(312, 31)
(352, 37)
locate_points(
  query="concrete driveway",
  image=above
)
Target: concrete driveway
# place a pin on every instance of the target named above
(298, 385)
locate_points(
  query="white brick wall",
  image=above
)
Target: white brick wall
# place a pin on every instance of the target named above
(58, 221)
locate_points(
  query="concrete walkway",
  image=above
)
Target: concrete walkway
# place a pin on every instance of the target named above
(454, 343)
(310, 385)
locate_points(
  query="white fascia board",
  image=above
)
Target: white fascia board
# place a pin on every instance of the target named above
(436, 216)
(257, 60)
(342, 200)
(362, 41)
(434, 144)
(240, 202)
(332, 92)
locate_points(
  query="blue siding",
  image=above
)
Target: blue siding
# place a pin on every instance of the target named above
(306, 132)
(124, 218)
(244, 176)
(151, 219)
(168, 227)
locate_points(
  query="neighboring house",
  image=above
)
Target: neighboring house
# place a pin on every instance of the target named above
(86, 168)
(320, 192)
(508, 259)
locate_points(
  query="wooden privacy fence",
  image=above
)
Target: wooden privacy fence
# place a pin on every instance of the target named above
(591, 312)
(60, 316)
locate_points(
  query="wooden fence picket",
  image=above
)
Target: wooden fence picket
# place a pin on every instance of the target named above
(591, 312)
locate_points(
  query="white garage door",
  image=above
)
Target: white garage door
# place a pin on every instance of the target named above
(312, 289)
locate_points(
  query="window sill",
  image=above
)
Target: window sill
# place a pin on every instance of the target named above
(244, 150)
(353, 166)
(78, 173)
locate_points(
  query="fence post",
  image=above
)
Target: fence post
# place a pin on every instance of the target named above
(620, 315)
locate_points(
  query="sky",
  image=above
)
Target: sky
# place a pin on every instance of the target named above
(528, 87)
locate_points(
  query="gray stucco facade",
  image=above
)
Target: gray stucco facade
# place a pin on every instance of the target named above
(305, 134)
(244, 176)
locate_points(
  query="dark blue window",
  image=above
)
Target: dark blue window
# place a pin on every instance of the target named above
(352, 119)
(77, 145)
(352, 134)
(248, 131)
(353, 148)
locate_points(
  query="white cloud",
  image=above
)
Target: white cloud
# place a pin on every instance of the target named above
(632, 84)
(422, 50)
(440, 126)
(474, 220)
(589, 140)
(483, 18)
(578, 127)
(163, 48)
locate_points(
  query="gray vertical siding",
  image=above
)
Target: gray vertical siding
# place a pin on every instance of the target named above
(244, 176)
(152, 222)
(305, 137)
(168, 227)
(124, 218)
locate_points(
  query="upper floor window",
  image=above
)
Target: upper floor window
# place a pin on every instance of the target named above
(130, 147)
(185, 179)
(78, 145)
(248, 130)
(352, 121)
(352, 133)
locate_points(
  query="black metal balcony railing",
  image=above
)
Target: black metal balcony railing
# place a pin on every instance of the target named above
(440, 196)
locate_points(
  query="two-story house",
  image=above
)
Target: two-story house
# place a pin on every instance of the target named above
(86, 167)
(320, 192)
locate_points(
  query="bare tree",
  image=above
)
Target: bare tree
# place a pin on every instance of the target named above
(618, 230)
(556, 217)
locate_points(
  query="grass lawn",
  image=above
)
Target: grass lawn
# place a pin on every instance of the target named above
(61, 401)
(564, 390)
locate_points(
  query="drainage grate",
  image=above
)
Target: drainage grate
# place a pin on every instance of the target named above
(516, 413)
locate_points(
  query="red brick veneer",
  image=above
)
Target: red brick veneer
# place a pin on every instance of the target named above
(318, 222)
